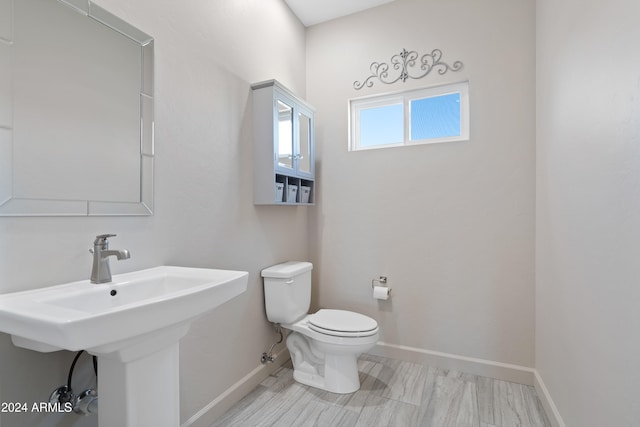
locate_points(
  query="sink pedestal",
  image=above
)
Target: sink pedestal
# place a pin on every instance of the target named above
(139, 385)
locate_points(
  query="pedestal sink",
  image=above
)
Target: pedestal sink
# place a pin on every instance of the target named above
(133, 324)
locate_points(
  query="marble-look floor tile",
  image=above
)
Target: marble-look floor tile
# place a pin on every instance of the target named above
(452, 403)
(406, 384)
(382, 412)
(535, 411)
(464, 376)
(392, 393)
(313, 413)
(508, 404)
(484, 387)
(515, 405)
(429, 387)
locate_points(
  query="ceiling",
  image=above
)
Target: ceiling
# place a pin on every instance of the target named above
(311, 12)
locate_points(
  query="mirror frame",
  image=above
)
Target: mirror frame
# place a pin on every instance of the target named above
(13, 206)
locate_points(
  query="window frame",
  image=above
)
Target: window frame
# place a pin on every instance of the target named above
(405, 97)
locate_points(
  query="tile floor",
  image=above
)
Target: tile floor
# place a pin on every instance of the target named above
(392, 393)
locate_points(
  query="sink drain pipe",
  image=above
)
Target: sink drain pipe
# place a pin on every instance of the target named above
(84, 403)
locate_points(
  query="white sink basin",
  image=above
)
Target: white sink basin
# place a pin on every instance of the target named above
(104, 317)
(132, 325)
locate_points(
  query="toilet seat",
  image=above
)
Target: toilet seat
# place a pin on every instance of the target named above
(341, 323)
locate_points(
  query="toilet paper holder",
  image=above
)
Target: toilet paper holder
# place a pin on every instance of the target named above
(382, 281)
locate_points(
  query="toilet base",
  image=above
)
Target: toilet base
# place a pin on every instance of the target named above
(336, 373)
(340, 375)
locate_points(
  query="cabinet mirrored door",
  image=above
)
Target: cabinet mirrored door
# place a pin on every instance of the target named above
(304, 156)
(283, 146)
(285, 135)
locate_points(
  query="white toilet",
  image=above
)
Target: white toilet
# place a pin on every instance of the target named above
(324, 346)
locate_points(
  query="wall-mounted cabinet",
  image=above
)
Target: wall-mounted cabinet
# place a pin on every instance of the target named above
(283, 147)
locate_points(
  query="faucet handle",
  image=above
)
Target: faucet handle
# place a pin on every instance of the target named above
(102, 238)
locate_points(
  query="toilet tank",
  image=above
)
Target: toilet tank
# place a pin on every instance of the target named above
(287, 291)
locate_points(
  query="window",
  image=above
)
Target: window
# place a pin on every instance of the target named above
(424, 116)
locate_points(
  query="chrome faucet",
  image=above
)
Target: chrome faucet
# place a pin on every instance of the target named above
(101, 273)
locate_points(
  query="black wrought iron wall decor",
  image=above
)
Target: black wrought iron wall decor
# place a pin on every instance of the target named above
(404, 63)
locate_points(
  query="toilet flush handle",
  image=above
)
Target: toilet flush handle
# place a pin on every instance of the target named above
(288, 282)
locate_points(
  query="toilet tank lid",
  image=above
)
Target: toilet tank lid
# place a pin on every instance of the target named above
(287, 270)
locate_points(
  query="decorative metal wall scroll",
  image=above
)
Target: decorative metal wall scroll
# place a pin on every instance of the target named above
(403, 62)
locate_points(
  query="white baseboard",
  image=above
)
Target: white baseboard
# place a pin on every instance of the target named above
(486, 368)
(547, 402)
(218, 406)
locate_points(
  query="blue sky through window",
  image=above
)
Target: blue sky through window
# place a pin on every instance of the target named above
(381, 125)
(435, 117)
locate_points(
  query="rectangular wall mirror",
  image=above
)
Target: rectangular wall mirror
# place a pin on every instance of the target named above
(76, 111)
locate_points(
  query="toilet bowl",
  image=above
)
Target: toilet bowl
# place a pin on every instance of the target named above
(324, 346)
(326, 357)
